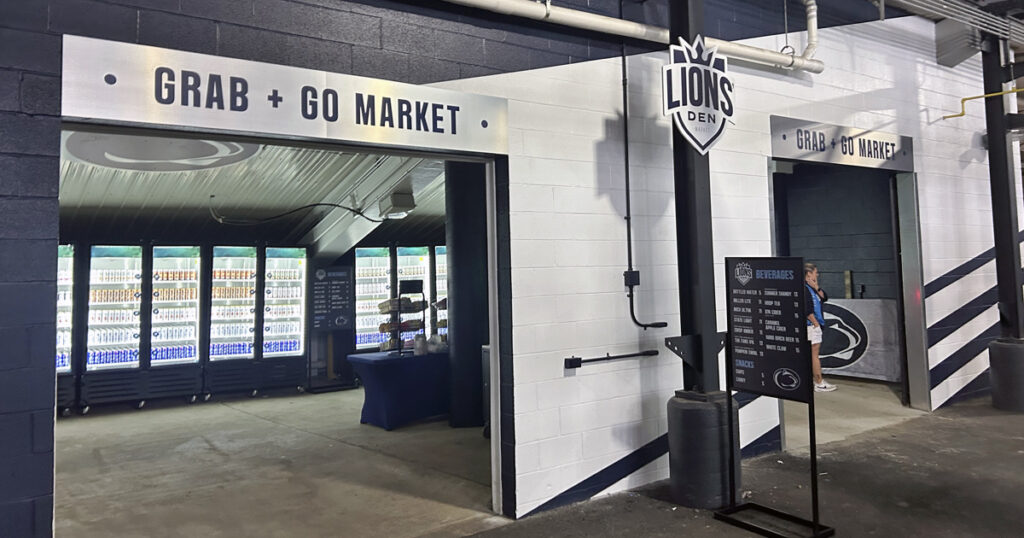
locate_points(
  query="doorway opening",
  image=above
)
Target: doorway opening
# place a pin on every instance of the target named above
(846, 220)
(224, 272)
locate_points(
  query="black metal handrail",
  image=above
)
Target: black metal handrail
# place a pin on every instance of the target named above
(576, 362)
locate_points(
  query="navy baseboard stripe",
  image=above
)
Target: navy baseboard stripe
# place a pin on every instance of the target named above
(771, 441)
(974, 308)
(608, 476)
(959, 358)
(980, 386)
(631, 463)
(962, 270)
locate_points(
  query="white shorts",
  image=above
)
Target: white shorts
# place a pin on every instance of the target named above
(814, 334)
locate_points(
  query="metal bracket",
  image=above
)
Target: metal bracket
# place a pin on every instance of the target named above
(685, 347)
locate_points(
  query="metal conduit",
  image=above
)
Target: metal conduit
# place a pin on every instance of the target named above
(544, 11)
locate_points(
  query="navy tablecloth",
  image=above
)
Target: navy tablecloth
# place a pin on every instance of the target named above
(400, 390)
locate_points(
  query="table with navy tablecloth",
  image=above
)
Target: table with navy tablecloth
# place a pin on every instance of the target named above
(399, 389)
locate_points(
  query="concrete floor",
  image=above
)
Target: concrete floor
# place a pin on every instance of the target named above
(857, 406)
(298, 465)
(955, 473)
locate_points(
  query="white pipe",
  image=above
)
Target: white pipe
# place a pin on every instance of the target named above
(634, 30)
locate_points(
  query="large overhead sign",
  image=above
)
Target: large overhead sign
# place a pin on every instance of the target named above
(697, 93)
(122, 82)
(821, 142)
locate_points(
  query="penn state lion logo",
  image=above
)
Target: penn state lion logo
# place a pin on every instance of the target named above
(697, 93)
(743, 272)
(845, 339)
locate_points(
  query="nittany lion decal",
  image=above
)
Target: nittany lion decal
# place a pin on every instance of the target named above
(697, 93)
(845, 338)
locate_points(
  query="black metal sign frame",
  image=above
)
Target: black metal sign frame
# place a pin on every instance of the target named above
(750, 310)
(332, 299)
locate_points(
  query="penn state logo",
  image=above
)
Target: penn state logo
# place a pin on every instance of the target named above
(743, 272)
(697, 93)
(786, 379)
(154, 153)
(845, 338)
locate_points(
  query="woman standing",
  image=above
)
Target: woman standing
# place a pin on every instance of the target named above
(816, 297)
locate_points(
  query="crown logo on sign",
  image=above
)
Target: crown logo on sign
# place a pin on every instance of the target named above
(698, 54)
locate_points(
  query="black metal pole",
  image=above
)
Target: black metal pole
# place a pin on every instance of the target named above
(815, 518)
(729, 424)
(695, 255)
(1004, 194)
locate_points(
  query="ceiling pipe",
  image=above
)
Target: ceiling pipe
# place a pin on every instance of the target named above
(544, 11)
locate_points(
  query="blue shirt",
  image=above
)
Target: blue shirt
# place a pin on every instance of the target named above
(813, 306)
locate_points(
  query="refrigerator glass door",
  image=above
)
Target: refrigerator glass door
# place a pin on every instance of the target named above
(441, 283)
(65, 283)
(414, 264)
(373, 286)
(115, 300)
(175, 306)
(284, 321)
(233, 311)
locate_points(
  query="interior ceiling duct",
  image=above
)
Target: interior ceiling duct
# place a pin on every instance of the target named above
(968, 13)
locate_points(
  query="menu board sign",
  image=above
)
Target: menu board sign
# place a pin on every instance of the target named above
(332, 298)
(767, 348)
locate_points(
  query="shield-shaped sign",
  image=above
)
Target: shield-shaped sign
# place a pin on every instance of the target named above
(697, 93)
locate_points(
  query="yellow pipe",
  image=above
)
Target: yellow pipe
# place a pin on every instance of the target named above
(963, 102)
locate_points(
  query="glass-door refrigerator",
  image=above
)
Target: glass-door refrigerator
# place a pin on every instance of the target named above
(414, 264)
(65, 295)
(175, 314)
(233, 305)
(373, 286)
(441, 288)
(285, 302)
(115, 302)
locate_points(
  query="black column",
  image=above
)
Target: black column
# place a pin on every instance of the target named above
(1004, 195)
(466, 235)
(1006, 355)
(693, 231)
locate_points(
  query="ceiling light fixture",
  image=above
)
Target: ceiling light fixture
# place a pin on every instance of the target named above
(397, 205)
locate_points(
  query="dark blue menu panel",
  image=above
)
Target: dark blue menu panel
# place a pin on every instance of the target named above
(767, 349)
(333, 306)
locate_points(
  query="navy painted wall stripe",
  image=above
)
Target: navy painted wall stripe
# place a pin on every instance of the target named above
(634, 461)
(974, 308)
(959, 272)
(771, 441)
(608, 476)
(964, 269)
(959, 358)
(980, 386)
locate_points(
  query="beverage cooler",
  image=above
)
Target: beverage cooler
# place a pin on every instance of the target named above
(65, 319)
(232, 330)
(114, 340)
(175, 313)
(283, 362)
(441, 290)
(373, 286)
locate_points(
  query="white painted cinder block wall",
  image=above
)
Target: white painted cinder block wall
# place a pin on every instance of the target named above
(568, 235)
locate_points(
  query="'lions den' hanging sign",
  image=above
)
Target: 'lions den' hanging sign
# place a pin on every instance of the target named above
(697, 93)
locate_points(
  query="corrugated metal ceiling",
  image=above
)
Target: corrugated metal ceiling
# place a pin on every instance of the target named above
(117, 187)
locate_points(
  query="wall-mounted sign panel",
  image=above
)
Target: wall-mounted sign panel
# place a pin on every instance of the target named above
(820, 142)
(333, 304)
(123, 82)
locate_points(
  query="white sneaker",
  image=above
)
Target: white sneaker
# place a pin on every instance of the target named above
(824, 386)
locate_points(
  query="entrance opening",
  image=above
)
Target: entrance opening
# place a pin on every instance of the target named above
(301, 296)
(844, 219)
